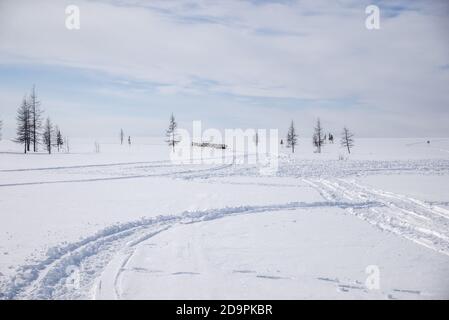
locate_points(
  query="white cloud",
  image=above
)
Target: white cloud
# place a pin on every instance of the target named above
(318, 50)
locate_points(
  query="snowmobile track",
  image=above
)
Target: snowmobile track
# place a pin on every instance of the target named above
(416, 220)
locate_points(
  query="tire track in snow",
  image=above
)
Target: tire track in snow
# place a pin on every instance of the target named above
(45, 279)
(84, 166)
(413, 219)
(101, 165)
(132, 245)
(433, 209)
(138, 176)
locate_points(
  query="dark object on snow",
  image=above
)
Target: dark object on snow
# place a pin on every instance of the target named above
(428, 141)
(210, 145)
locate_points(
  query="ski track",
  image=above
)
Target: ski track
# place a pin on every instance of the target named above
(424, 223)
(189, 174)
(103, 165)
(46, 279)
(416, 220)
(83, 166)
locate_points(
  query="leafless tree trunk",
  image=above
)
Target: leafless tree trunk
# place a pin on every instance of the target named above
(318, 138)
(292, 137)
(48, 135)
(24, 125)
(36, 119)
(59, 139)
(171, 134)
(347, 139)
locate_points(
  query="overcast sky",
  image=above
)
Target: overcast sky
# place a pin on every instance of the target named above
(231, 64)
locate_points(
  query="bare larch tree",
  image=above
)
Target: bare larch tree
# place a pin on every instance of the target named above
(171, 133)
(36, 119)
(47, 135)
(318, 138)
(59, 139)
(67, 144)
(347, 139)
(292, 137)
(23, 132)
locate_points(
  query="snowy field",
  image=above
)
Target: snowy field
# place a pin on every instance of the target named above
(127, 223)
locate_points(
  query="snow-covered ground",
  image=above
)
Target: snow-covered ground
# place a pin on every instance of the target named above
(128, 223)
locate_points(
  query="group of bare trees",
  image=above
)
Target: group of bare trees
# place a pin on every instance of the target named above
(32, 130)
(319, 138)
